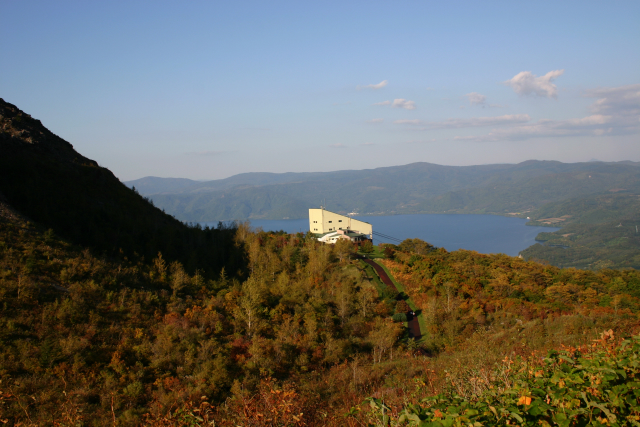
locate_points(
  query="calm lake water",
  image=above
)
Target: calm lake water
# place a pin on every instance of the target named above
(483, 233)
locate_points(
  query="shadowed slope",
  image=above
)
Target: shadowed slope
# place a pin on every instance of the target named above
(45, 179)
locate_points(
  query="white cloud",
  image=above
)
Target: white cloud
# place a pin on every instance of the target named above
(621, 101)
(368, 143)
(375, 121)
(526, 83)
(403, 103)
(415, 122)
(616, 111)
(511, 119)
(591, 125)
(338, 145)
(508, 119)
(399, 103)
(374, 86)
(475, 98)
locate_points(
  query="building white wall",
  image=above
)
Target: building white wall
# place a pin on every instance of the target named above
(323, 221)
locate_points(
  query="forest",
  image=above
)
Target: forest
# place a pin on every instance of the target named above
(303, 337)
(113, 312)
(598, 232)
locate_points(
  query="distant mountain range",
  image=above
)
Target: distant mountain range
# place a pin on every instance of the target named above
(415, 188)
(44, 179)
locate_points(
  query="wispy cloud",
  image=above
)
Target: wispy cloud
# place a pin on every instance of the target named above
(399, 103)
(375, 121)
(475, 98)
(338, 145)
(415, 122)
(368, 143)
(622, 101)
(526, 83)
(374, 86)
(591, 125)
(403, 103)
(509, 119)
(616, 111)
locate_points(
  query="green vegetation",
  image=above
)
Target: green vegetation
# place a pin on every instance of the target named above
(595, 385)
(369, 250)
(598, 232)
(412, 305)
(233, 326)
(459, 292)
(88, 335)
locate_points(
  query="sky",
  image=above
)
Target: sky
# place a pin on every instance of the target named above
(206, 90)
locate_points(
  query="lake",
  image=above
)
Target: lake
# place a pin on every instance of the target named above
(482, 233)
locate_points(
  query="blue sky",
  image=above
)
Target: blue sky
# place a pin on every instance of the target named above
(205, 90)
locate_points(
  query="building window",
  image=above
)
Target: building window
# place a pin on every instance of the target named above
(329, 222)
(340, 220)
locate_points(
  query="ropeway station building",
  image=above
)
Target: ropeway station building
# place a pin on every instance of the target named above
(329, 227)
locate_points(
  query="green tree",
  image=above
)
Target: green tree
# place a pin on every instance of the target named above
(367, 247)
(343, 249)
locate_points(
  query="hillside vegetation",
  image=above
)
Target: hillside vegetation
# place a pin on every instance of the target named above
(600, 231)
(279, 329)
(85, 339)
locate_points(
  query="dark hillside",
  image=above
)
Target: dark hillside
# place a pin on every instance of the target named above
(45, 179)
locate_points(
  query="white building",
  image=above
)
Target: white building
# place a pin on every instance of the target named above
(330, 226)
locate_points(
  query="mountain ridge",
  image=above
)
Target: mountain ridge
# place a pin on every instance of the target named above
(44, 179)
(414, 188)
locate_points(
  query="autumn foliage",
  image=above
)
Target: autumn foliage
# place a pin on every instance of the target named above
(300, 336)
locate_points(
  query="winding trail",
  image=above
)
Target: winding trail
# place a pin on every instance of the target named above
(414, 326)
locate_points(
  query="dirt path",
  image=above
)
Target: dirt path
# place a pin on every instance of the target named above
(414, 326)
